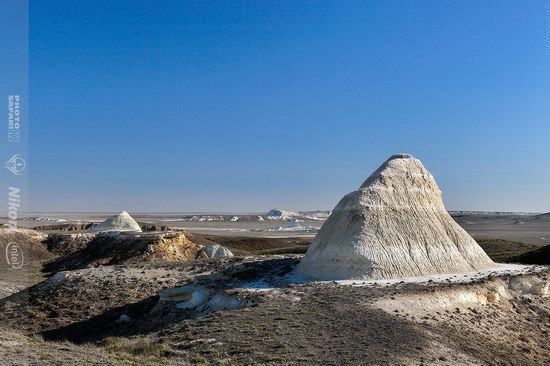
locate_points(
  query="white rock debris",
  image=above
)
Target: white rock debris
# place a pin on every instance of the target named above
(217, 251)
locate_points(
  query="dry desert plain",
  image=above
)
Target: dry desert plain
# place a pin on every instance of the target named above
(72, 305)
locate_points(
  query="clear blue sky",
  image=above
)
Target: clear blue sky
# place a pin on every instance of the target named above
(248, 105)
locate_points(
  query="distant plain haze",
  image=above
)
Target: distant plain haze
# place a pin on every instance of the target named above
(242, 106)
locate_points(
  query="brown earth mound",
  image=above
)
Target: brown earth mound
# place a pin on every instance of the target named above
(64, 244)
(504, 250)
(537, 256)
(29, 242)
(152, 227)
(109, 249)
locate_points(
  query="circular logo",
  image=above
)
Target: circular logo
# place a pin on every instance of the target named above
(14, 255)
(16, 164)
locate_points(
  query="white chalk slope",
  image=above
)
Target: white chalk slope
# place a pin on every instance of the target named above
(121, 222)
(217, 251)
(394, 225)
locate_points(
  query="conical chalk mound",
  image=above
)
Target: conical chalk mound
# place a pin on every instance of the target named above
(121, 222)
(395, 225)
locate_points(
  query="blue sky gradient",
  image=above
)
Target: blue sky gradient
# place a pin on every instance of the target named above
(248, 105)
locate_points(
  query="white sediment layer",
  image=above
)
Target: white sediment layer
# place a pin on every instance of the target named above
(395, 225)
(121, 222)
(217, 251)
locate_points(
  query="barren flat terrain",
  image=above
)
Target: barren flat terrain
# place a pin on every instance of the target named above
(525, 228)
(124, 308)
(532, 229)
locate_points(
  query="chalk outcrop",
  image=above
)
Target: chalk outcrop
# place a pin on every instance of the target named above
(118, 223)
(395, 225)
(217, 251)
(129, 248)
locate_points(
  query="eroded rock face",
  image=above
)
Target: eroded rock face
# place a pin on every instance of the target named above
(130, 247)
(67, 243)
(529, 286)
(217, 251)
(201, 300)
(66, 227)
(395, 225)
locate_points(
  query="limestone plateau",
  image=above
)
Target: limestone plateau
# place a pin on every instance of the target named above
(395, 225)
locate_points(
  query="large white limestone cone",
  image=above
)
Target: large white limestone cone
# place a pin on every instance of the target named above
(121, 222)
(394, 225)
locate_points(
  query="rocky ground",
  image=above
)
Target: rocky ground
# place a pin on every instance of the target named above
(251, 310)
(113, 315)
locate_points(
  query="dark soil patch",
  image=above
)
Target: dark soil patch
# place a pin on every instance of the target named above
(152, 227)
(504, 250)
(66, 227)
(254, 245)
(537, 256)
(300, 249)
(63, 244)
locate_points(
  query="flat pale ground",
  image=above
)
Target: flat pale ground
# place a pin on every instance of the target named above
(238, 228)
(498, 269)
(526, 229)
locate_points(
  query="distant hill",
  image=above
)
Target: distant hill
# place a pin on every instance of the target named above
(493, 213)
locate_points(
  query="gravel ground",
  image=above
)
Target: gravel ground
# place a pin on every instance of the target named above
(325, 323)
